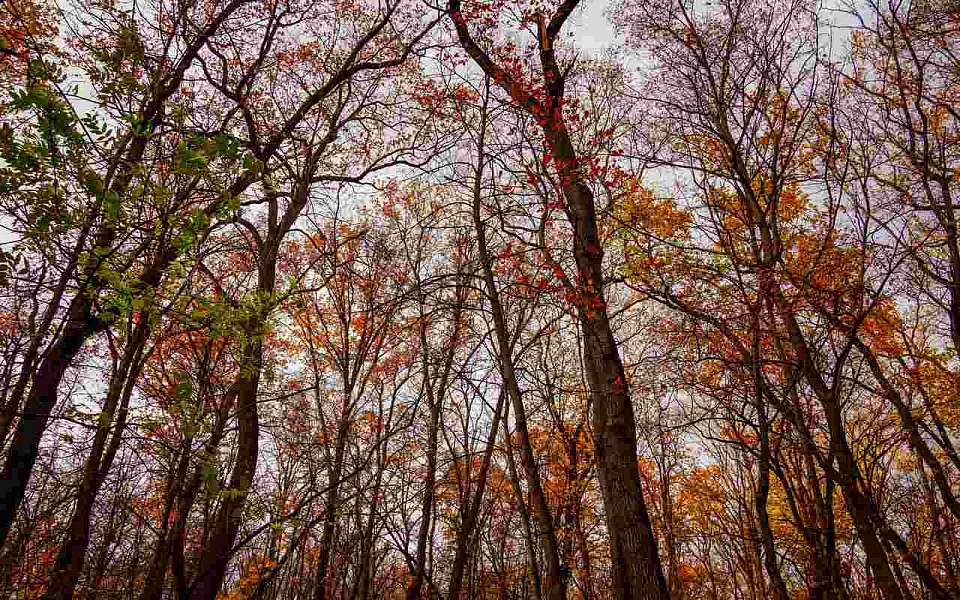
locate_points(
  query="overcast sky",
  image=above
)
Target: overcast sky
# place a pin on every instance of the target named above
(591, 28)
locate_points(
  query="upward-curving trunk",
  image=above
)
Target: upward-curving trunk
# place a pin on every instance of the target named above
(468, 520)
(72, 555)
(81, 323)
(554, 586)
(42, 397)
(218, 550)
(635, 563)
(330, 515)
(435, 393)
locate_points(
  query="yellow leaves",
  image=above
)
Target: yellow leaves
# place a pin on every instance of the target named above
(732, 210)
(703, 497)
(882, 327)
(728, 208)
(937, 118)
(367, 422)
(822, 265)
(254, 571)
(791, 203)
(941, 388)
(649, 227)
(708, 149)
(641, 210)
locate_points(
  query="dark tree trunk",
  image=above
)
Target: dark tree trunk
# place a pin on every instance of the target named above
(468, 521)
(72, 555)
(330, 515)
(218, 549)
(554, 585)
(42, 397)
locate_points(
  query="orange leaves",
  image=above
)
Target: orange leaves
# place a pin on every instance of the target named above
(307, 52)
(296, 255)
(791, 203)
(368, 422)
(463, 476)
(739, 435)
(659, 217)
(649, 227)
(254, 570)
(703, 498)
(9, 324)
(939, 386)
(734, 214)
(25, 26)
(882, 329)
(445, 101)
(822, 268)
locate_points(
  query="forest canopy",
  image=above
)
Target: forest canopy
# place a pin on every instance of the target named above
(381, 299)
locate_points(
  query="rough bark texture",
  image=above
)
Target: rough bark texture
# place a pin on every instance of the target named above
(636, 572)
(81, 323)
(554, 585)
(72, 555)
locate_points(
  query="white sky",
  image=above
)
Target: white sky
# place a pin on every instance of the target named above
(591, 28)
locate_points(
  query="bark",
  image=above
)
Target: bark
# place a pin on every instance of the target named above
(169, 551)
(154, 582)
(635, 564)
(72, 555)
(554, 584)
(218, 549)
(535, 576)
(847, 474)
(468, 522)
(763, 517)
(81, 323)
(15, 399)
(426, 511)
(368, 539)
(909, 424)
(435, 402)
(42, 397)
(330, 515)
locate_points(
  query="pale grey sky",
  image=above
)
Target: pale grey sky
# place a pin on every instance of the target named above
(591, 28)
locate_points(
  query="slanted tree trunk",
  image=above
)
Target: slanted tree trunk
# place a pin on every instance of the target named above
(554, 585)
(635, 564)
(81, 323)
(468, 520)
(434, 396)
(70, 559)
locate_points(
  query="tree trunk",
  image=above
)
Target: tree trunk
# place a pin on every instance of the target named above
(763, 517)
(71, 557)
(468, 522)
(635, 564)
(216, 553)
(81, 323)
(554, 584)
(330, 515)
(42, 397)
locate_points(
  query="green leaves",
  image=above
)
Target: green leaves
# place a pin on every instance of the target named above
(188, 160)
(183, 391)
(112, 207)
(198, 152)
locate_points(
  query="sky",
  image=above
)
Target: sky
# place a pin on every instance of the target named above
(591, 28)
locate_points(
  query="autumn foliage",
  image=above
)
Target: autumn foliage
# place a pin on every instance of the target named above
(362, 299)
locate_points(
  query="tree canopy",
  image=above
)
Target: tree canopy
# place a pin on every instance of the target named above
(381, 299)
